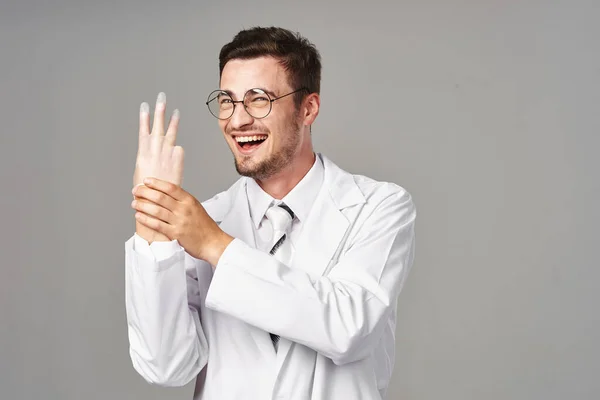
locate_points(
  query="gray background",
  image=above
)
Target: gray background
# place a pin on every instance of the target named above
(486, 111)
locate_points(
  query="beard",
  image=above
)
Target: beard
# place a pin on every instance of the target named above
(276, 162)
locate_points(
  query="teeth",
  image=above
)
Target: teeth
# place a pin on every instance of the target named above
(243, 139)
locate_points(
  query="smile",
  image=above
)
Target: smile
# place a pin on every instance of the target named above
(248, 144)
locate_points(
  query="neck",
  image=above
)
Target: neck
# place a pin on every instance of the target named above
(280, 184)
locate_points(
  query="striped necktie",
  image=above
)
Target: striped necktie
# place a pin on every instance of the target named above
(281, 218)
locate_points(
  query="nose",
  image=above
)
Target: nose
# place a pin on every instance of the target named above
(240, 117)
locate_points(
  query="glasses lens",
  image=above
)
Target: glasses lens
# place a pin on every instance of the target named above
(220, 104)
(257, 103)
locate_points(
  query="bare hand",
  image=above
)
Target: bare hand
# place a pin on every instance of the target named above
(170, 210)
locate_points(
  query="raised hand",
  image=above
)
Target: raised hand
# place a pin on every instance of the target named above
(158, 156)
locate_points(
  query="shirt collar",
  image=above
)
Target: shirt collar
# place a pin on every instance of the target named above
(300, 199)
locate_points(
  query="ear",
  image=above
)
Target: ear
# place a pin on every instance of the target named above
(312, 104)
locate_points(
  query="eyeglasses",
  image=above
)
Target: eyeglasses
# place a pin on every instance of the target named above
(257, 103)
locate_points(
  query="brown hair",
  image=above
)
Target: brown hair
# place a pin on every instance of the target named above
(296, 54)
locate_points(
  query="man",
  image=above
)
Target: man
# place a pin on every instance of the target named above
(285, 285)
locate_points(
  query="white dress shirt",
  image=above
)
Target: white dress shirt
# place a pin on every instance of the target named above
(300, 200)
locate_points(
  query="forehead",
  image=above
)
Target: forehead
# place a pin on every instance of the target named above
(264, 72)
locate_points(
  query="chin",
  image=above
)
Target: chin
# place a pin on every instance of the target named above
(263, 169)
(250, 170)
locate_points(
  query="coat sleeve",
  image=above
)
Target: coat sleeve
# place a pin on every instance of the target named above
(341, 315)
(167, 345)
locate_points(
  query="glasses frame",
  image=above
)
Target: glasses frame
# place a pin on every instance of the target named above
(234, 102)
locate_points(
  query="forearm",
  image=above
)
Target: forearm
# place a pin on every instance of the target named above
(338, 319)
(167, 344)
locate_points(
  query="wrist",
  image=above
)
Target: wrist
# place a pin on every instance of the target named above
(149, 235)
(217, 247)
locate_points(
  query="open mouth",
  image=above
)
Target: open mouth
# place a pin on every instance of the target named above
(249, 143)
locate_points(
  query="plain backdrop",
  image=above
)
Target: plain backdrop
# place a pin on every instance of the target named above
(486, 111)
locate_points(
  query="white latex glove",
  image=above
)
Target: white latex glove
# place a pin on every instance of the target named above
(157, 156)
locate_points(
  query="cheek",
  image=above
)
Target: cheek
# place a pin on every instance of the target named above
(222, 125)
(274, 132)
(279, 126)
(283, 128)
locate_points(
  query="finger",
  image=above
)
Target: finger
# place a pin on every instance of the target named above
(154, 224)
(134, 189)
(153, 210)
(171, 134)
(144, 119)
(156, 196)
(158, 126)
(168, 188)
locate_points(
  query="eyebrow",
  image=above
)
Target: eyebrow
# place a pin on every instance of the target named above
(229, 92)
(269, 92)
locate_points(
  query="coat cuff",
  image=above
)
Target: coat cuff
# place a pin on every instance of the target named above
(224, 270)
(158, 251)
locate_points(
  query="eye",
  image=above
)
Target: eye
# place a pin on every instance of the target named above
(224, 101)
(259, 99)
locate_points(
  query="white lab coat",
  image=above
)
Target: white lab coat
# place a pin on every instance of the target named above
(334, 306)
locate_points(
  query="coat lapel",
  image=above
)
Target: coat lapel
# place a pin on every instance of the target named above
(325, 228)
(238, 223)
(327, 224)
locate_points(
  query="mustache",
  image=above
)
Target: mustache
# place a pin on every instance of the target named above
(253, 129)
